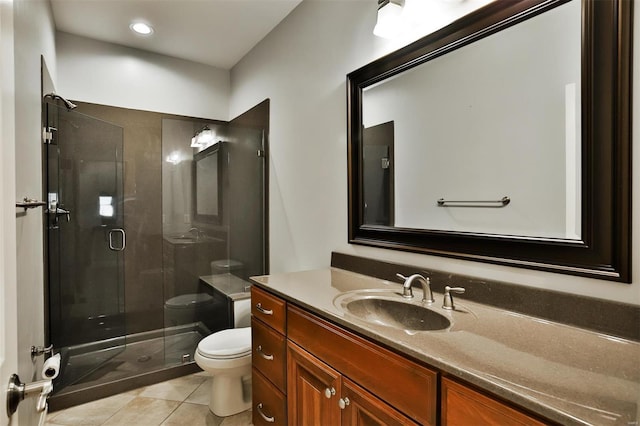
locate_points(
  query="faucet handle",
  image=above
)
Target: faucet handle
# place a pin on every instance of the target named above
(448, 298)
(402, 277)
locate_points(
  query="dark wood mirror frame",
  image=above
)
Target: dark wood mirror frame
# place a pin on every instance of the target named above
(604, 251)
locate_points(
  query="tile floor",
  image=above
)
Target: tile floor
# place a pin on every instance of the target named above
(181, 401)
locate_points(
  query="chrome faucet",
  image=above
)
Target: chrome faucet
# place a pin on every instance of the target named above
(198, 233)
(407, 292)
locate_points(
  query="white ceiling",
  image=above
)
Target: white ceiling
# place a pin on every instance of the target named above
(213, 32)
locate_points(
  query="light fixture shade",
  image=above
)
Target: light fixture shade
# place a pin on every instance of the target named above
(389, 23)
(205, 136)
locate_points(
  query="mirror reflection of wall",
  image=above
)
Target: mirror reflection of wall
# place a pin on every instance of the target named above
(500, 117)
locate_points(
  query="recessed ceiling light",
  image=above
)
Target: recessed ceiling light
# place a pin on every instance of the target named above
(141, 28)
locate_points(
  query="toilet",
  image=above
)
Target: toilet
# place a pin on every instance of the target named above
(226, 356)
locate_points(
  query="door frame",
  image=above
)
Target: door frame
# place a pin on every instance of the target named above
(8, 260)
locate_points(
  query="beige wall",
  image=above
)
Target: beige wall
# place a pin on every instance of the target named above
(109, 74)
(301, 66)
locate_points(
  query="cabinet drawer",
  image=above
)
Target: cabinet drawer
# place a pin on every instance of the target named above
(462, 406)
(269, 353)
(269, 309)
(269, 404)
(409, 387)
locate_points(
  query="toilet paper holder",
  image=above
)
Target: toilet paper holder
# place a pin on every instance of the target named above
(36, 351)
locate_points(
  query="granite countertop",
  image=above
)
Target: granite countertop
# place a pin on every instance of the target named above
(564, 373)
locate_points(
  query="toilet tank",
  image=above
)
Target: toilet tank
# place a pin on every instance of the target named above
(242, 313)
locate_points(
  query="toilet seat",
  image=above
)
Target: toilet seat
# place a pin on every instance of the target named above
(226, 344)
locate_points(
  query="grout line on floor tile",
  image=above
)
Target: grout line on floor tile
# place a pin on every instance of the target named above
(172, 411)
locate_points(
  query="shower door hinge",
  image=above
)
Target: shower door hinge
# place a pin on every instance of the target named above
(48, 134)
(261, 153)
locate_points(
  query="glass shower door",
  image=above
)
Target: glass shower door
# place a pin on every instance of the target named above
(86, 240)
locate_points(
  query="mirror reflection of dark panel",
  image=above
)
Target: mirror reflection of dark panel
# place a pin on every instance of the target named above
(377, 172)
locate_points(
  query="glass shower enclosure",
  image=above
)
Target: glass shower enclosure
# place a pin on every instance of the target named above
(86, 239)
(150, 241)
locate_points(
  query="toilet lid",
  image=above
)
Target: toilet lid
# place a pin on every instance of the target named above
(231, 343)
(189, 300)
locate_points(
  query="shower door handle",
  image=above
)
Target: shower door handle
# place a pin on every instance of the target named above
(63, 212)
(58, 211)
(124, 239)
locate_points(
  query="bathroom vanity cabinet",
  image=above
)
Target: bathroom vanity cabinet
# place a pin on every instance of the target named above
(336, 377)
(307, 370)
(269, 359)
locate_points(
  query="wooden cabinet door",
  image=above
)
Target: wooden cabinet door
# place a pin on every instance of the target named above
(313, 390)
(269, 404)
(463, 406)
(361, 408)
(409, 387)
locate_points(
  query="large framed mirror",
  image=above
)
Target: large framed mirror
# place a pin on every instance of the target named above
(504, 137)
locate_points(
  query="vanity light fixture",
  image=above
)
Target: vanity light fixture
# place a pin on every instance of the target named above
(141, 28)
(203, 138)
(389, 23)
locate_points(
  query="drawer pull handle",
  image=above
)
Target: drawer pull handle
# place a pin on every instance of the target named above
(343, 402)
(266, 418)
(264, 355)
(263, 310)
(329, 392)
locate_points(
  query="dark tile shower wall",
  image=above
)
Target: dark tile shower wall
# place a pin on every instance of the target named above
(144, 298)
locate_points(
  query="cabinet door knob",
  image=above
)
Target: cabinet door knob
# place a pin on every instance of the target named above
(329, 392)
(263, 310)
(268, 419)
(264, 355)
(343, 402)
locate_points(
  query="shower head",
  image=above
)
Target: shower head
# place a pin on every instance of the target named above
(68, 104)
